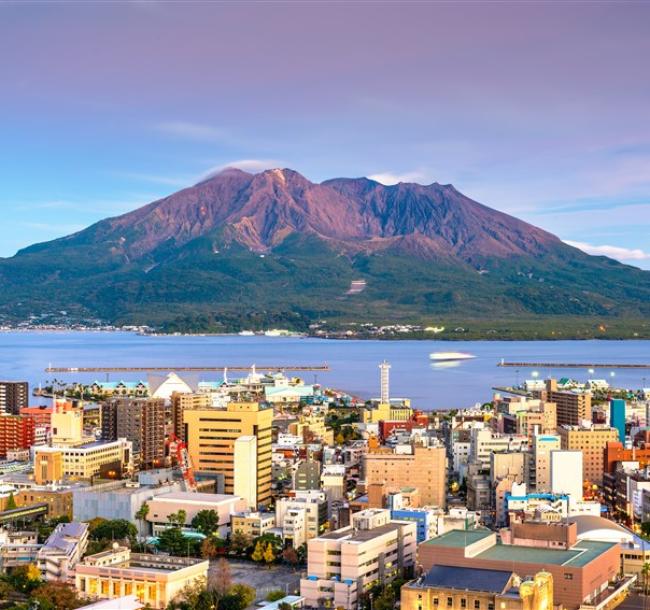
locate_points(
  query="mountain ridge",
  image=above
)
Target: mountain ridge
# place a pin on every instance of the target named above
(273, 245)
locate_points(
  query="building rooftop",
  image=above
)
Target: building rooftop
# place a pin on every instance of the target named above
(581, 554)
(492, 581)
(193, 497)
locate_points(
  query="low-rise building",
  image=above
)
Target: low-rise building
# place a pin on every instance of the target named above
(63, 549)
(153, 579)
(252, 524)
(344, 564)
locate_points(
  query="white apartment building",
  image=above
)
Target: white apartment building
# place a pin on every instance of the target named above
(347, 562)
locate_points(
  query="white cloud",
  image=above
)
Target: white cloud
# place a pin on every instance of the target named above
(389, 178)
(247, 165)
(191, 131)
(617, 252)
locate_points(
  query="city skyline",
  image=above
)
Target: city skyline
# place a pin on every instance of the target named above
(111, 106)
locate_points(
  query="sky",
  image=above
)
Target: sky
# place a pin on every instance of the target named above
(538, 109)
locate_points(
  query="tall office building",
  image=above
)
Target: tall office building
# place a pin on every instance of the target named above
(573, 408)
(566, 474)
(141, 421)
(617, 417)
(180, 402)
(539, 471)
(592, 441)
(211, 434)
(13, 396)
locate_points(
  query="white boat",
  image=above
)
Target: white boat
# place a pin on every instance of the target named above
(246, 333)
(450, 356)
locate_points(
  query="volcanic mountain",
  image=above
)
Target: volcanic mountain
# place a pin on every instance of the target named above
(242, 250)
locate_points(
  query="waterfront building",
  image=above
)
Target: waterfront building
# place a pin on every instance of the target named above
(154, 579)
(141, 421)
(461, 588)
(62, 550)
(345, 563)
(16, 432)
(573, 406)
(13, 396)
(212, 433)
(591, 440)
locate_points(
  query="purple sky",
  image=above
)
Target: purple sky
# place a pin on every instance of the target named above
(541, 110)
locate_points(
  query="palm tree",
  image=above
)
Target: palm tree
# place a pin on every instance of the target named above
(645, 571)
(141, 515)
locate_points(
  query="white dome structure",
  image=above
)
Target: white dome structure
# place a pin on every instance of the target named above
(601, 529)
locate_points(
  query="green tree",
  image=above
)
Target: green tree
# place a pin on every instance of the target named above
(56, 596)
(25, 579)
(206, 522)
(113, 529)
(11, 502)
(239, 543)
(142, 514)
(274, 596)
(269, 555)
(258, 553)
(173, 542)
(645, 572)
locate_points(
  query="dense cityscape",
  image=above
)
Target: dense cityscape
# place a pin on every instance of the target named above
(265, 491)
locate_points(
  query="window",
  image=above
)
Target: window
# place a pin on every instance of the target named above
(568, 576)
(463, 603)
(450, 602)
(435, 602)
(477, 604)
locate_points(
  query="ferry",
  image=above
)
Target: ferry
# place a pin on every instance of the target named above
(450, 356)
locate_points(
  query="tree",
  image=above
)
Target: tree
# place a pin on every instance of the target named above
(340, 439)
(206, 522)
(385, 600)
(645, 529)
(269, 555)
(11, 502)
(290, 555)
(209, 549)
(645, 571)
(113, 529)
(274, 596)
(25, 578)
(222, 579)
(177, 518)
(244, 593)
(173, 542)
(141, 515)
(56, 596)
(239, 543)
(258, 553)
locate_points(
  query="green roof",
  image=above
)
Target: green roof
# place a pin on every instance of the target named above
(459, 538)
(581, 554)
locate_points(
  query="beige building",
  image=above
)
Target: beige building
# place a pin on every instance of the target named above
(48, 466)
(67, 425)
(347, 562)
(592, 441)
(246, 470)
(539, 466)
(153, 579)
(302, 516)
(456, 588)
(573, 407)
(109, 459)
(211, 434)
(425, 469)
(252, 524)
(181, 401)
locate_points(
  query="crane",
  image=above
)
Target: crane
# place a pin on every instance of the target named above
(183, 461)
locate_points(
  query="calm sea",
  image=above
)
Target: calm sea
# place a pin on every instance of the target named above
(353, 364)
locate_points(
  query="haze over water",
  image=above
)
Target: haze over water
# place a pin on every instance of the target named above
(353, 364)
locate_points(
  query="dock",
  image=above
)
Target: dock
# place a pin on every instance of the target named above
(192, 369)
(573, 365)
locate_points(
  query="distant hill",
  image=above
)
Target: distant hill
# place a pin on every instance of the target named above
(242, 250)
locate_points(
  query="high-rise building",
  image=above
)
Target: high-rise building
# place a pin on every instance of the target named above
(181, 401)
(13, 396)
(67, 423)
(384, 367)
(16, 432)
(245, 469)
(141, 421)
(617, 417)
(425, 469)
(573, 407)
(211, 434)
(592, 441)
(539, 471)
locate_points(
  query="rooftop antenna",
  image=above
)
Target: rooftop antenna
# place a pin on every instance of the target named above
(225, 374)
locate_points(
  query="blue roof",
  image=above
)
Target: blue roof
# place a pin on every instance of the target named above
(474, 579)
